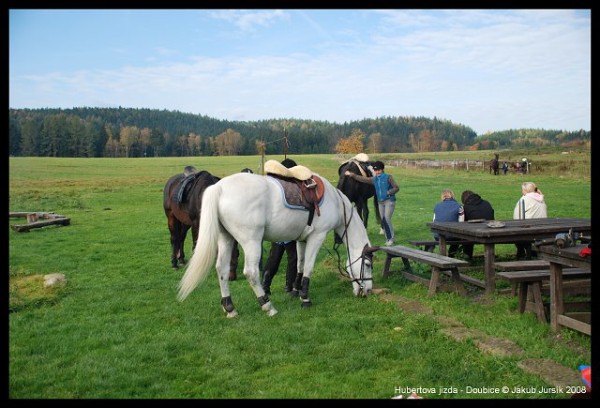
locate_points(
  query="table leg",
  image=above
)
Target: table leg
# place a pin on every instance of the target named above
(490, 273)
(442, 245)
(386, 265)
(556, 301)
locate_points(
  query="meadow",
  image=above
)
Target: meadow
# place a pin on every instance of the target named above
(116, 330)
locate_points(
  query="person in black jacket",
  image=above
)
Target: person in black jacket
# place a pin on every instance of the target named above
(476, 208)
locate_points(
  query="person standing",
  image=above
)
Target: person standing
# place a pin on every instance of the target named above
(276, 254)
(448, 209)
(530, 205)
(475, 208)
(386, 189)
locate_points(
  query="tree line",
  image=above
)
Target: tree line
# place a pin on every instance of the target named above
(131, 132)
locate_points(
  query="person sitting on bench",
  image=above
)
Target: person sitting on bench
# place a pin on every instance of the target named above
(476, 208)
(448, 209)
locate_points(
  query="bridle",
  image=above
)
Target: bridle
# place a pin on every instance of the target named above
(365, 255)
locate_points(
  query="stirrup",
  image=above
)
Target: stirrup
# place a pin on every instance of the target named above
(310, 183)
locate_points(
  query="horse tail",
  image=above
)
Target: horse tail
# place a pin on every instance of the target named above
(205, 252)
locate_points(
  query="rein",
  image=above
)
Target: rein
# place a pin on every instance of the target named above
(348, 273)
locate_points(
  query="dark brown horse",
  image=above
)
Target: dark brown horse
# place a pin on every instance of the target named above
(495, 165)
(358, 193)
(182, 202)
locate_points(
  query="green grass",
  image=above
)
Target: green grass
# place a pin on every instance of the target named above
(116, 330)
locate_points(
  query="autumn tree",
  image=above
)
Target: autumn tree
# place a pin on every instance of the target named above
(228, 143)
(128, 137)
(375, 143)
(145, 134)
(425, 140)
(194, 142)
(353, 144)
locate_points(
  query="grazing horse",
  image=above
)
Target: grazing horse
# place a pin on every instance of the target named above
(182, 200)
(495, 165)
(357, 192)
(250, 208)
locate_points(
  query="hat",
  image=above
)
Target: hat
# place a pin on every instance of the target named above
(289, 163)
(378, 165)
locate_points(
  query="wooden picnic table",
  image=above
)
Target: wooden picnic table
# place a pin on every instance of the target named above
(569, 257)
(512, 231)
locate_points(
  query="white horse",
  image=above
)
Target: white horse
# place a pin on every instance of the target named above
(250, 208)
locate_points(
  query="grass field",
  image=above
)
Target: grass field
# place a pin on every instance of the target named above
(116, 329)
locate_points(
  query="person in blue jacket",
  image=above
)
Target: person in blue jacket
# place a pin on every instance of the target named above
(386, 189)
(448, 209)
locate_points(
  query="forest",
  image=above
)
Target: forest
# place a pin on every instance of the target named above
(133, 132)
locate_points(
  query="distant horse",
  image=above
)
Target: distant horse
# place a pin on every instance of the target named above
(182, 200)
(250, 208)
(495, 165)
(358, 193)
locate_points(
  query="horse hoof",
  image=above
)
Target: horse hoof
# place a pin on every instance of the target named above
(271, 312)
(306, 303)
(232, 314)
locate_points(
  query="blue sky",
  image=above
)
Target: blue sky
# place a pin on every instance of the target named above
(487, 69)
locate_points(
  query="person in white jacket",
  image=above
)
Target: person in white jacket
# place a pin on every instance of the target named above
(530, 205)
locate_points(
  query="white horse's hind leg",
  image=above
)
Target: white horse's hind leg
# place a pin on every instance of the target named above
(223, 265)
(252, 255)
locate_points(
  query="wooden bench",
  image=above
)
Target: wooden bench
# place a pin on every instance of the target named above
(533, 279)
(524, 265)
(438, 263)
(433, 243)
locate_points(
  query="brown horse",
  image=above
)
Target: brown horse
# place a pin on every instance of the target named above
(182, 202)
(495, 165)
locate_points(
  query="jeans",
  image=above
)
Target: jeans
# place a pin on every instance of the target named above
(386, 210)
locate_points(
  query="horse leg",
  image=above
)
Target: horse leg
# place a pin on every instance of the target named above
(175, 232)
(365, 211)
(376, 207)
(307, 255)
(183, 229)
(222, 266)
(252, 254)
(297, 289)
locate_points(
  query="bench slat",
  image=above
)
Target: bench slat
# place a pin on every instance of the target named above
(521, 265)
(436, 243)
(414, 254)
(542, 275)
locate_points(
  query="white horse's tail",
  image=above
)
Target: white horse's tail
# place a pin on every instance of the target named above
(205, 251)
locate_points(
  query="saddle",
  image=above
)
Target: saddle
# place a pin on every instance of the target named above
(360, 160)
(301, 188)
(185, 185)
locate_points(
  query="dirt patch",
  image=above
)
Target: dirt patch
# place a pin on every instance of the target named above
(552, 372)
(498, 347)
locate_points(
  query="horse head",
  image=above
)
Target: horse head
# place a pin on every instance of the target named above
(360, 271)
(359, 263)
